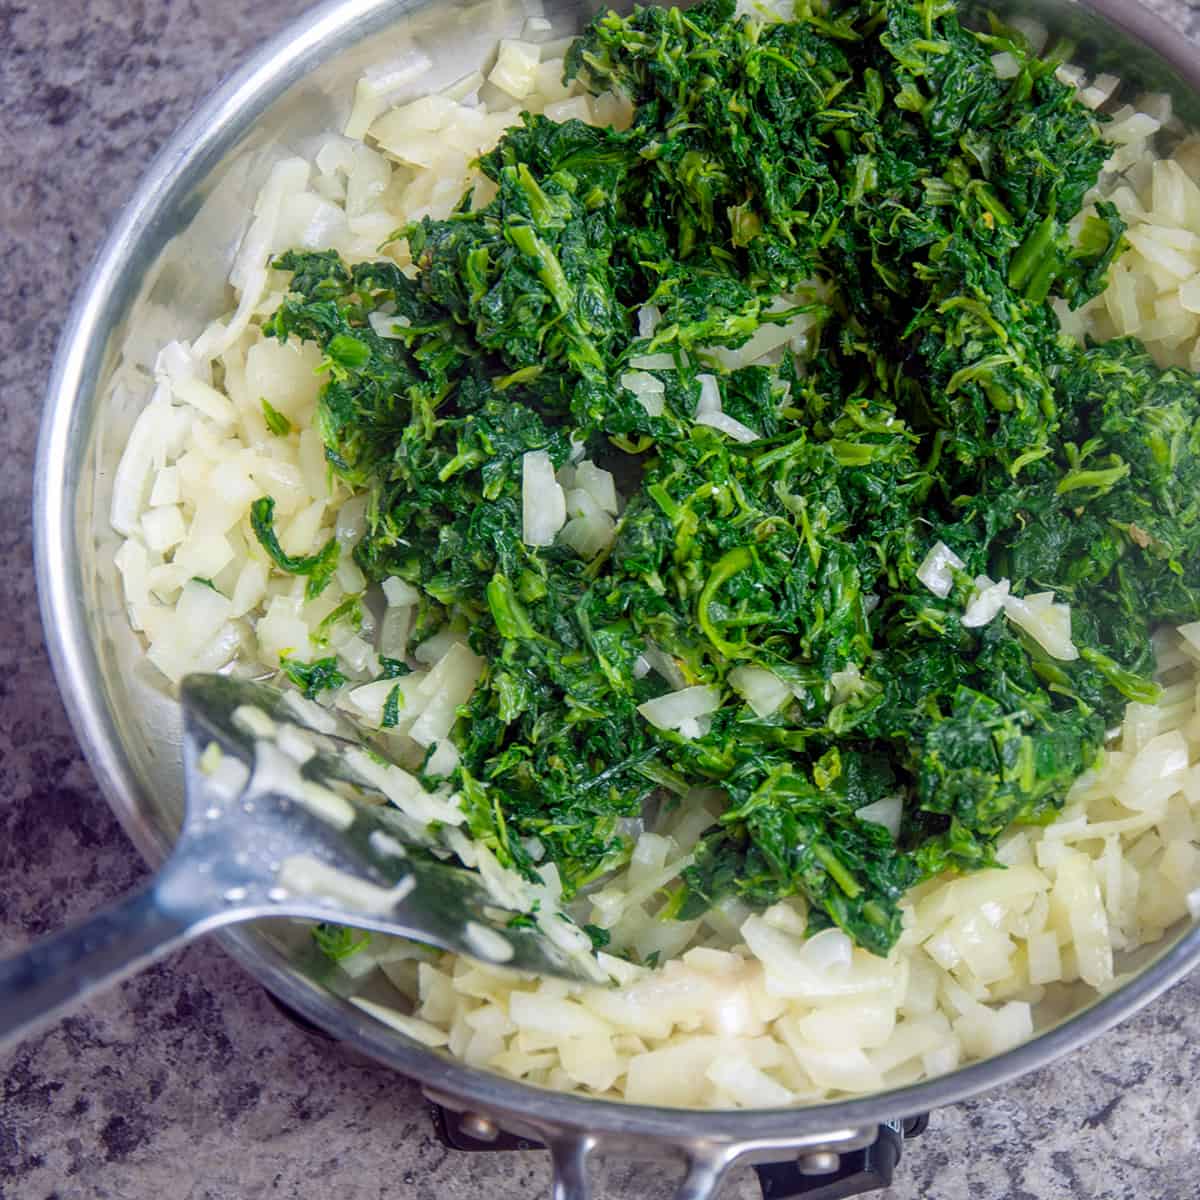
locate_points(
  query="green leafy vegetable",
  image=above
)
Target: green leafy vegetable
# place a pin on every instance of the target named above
(315, 677)
(348, 610)
(337, 942)
(599, 935)
(277, 423)
(862, 176)
(318, 567)
(391, 709)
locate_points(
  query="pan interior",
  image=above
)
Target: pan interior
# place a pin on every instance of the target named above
(162, 278)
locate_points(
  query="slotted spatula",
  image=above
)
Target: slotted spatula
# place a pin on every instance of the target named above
(284, 817)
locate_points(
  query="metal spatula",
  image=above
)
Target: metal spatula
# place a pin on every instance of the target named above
(285, 817)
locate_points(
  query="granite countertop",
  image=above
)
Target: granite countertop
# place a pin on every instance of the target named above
(186, 1082)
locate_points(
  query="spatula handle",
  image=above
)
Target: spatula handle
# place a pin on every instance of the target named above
(39, 983)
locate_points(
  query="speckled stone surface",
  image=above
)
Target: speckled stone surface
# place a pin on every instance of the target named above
(185, 1083)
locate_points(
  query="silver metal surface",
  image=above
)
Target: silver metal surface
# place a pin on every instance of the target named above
(824, 1162)
(482, 1129)
(245, 821)
(161, 276)
(570, 1155)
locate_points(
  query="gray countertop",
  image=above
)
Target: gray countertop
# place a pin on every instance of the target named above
(185, 1082)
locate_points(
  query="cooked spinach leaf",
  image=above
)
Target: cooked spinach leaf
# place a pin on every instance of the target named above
(337, 942)
(277, 423)
(318, 567)
(315, 677)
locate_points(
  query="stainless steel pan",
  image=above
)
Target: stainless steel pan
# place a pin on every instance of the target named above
(162, 275)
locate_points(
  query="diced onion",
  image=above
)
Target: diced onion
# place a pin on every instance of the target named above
(887, 812)
(159, 427)
(399, 592)
(389, 325)
(1006, 65)
(1156, 773)
(653, 362)
(249, 275)
(987, 603)
(448, 686)
(577, 108)
(671, 710)
(1078, 899)
(412, 1027)
(727, 424)
(1048, 624)
(369, 700)
(649, 317)
(649, 390)
(768, 338)
(846, 683)
(588, 533)
(665, 665)
(599, 484)
(710, 395)
(543, 504)
(163, 528)
(765, 692)
(1034, 32)
(515, 69)
(166, 487)
(377, 87)
(746, 1085)
(937, 570)
(984, 1032)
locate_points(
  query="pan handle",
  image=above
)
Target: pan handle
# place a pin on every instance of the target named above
(707, 1167)
(838, 1162)
(570, 1155)
(705, 1174)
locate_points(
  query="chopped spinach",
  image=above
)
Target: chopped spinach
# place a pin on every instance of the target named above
(864, 165)
(318, 567)
(277, 423)
(337, 942)
(315, 677)
(599, 935)
(349, 610)
(391, 708)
